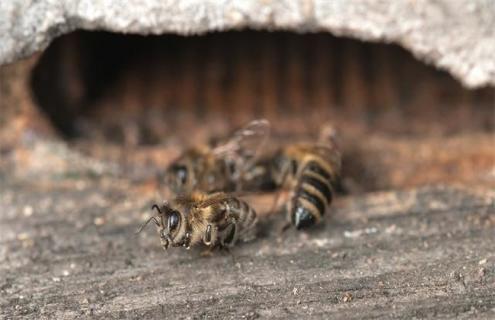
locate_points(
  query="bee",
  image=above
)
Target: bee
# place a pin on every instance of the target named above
(217, 220)
(310, 171)
(224, 167)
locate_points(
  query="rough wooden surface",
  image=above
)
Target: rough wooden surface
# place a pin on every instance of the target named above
(68, 216)
(68, 250)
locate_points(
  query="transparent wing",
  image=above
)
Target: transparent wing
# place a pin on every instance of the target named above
(213, 199)
(192, 200)
(219, 197)
(245, 143)
(185, 200)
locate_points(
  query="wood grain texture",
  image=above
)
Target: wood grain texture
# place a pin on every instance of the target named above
(68, 250)
(68, 212)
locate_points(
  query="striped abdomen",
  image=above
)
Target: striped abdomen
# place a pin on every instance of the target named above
(312, 195)
(241, 222)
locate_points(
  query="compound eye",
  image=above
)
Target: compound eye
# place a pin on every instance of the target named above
(173, 221)
(181, 172)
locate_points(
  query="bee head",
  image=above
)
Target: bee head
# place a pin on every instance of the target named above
(170, 226)
(178, 178)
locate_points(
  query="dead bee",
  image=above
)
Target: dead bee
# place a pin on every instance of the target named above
(216, 220)
(220, 168)
(310, 171)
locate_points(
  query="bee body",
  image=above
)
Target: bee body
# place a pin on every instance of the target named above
(223, 167)
(199, 169)
(310, 172)
(216, 220)
(223, 223)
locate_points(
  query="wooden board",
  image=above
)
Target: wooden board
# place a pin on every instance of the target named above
(69, 251)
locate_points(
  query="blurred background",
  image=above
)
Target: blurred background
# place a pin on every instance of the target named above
(137, 101)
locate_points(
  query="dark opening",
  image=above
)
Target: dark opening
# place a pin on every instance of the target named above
(116, 87)
(143, 99)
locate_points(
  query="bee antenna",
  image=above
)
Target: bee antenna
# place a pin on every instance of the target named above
(155, 206)
(146, 223)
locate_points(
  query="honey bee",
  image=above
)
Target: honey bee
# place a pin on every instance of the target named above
(221, 168)
(310, 171)
(217, 220)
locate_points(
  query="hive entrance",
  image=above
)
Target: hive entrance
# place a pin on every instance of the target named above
(135, 90)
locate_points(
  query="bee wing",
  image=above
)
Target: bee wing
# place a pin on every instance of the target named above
(213, 199)
(218, 197)
(245, 143)
(184, 200)
(191, 201)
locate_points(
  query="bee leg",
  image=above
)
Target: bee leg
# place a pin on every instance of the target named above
(274, 207)
(285, 227)
(207, 235)
(230, 237)
(231, 254)
(226, 250)
(207, 252)
(281, 183)
(239, 182)
(187, 241)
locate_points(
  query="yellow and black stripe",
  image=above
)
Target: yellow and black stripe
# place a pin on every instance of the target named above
(245, 219)
(312, 195)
